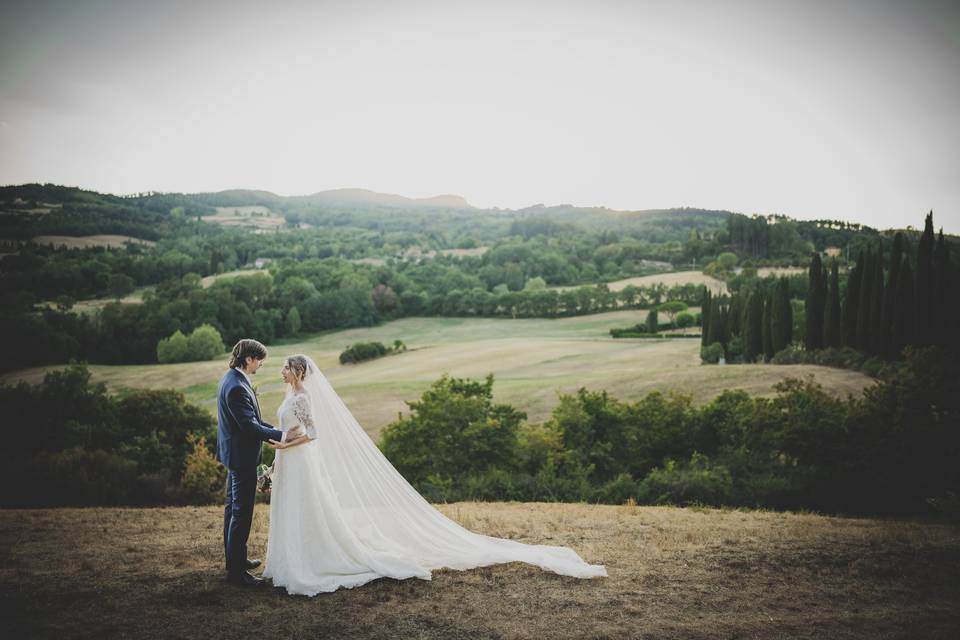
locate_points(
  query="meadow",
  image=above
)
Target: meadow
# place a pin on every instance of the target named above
(673, 573)
(669, 279)
(88, 242)
(533, 360)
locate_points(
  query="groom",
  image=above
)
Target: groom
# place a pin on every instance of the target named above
(240, 432)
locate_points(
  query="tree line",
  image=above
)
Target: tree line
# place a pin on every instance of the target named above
(882, 310)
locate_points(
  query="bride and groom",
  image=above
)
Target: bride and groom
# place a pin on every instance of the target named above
(340, 514)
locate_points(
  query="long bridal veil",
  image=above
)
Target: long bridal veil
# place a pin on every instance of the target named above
(387, 513)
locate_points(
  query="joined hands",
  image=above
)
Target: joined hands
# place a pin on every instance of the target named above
(293, 434)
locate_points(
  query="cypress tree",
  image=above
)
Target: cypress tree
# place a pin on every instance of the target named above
(889, 296)
(724, 325)
(923, 285)
(863, 305)
(815, 304)
(903, 314)
(766, 321)
(715, 319)
(831, 320)
(943, 293)
(705, 317)
(653, 322)
(753, 327)
(850, 303)
(735, 326)
(781, 316)
(875, 328)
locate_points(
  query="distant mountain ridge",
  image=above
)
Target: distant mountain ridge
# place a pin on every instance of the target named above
(366, 196)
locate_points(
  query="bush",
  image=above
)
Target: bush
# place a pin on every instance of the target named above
(203, 477)
(363, 351)
(293, 322)
(203, 344)
(173, 349)
(618, 491)
(696, 482)
(711, 354)
(71, 477)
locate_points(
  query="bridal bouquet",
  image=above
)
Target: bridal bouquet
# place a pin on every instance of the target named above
(263, 478)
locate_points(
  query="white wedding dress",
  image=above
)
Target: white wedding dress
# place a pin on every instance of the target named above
(341, 515)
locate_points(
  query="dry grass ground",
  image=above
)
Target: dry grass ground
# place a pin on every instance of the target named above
(532, 361)
(763, 272)
(251, 216)
(209, 280)
(673, 573)
(86, 242)
(668, 279)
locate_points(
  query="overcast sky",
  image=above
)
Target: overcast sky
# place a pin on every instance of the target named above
(811, 109)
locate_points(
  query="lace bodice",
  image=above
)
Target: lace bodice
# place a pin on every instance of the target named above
(296, 410)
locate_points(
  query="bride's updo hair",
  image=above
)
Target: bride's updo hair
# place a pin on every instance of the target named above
(298, 364)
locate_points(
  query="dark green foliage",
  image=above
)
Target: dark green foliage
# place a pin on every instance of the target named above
(711, 354)
(867, 285)
(454, 429)
(753, 327)
(886, 453)
(944, 313)
(781, 316)
(706, 302)
(362, 351)
(923, 287)
(851, 303)
(653, 324)
(903, 329)
(890, 297)
(696, 481)
(831, 321)
(89, 448)
(874, 340)
(816, 300)
(767, 329)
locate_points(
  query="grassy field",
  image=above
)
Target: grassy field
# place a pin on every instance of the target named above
(250, 216)
(86, 242)
(209, 280)
(673, 573)
(668, 279)
(532, 360)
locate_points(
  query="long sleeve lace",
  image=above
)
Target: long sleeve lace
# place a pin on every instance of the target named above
(303, 411)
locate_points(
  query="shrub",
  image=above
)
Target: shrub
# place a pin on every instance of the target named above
(203, 477)
(618, 491)
(71, 477)
(711, 354)
(173, 349)
(205, 343)
(363, 351)
(293, 322)
(696, 482)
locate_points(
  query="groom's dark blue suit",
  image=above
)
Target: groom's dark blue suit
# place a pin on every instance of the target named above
(240, 434)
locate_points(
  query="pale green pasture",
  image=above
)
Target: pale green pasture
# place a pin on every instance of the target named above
(532, 361)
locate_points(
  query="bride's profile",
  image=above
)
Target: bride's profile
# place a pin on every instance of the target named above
(341, 515)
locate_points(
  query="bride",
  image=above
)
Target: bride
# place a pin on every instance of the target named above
(341, 515)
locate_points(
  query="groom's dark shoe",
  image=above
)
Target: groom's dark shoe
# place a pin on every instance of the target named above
(253, 564)
(245, 580)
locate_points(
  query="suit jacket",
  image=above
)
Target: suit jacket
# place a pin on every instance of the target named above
(240, 429)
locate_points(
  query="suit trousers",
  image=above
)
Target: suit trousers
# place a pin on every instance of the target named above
(237, 518)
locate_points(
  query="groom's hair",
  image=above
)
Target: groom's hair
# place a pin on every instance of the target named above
(248, 347)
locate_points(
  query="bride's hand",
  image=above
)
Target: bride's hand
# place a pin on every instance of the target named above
(277, 445)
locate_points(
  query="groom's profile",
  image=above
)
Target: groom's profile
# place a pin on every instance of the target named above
(240, 434)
